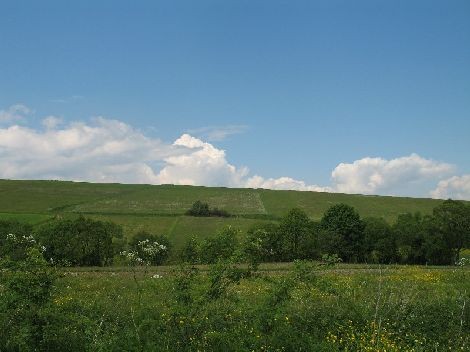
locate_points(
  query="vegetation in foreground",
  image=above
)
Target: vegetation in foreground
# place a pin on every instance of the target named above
(228, 307)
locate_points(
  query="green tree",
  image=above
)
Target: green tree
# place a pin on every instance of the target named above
(221, 246)
(436, 250)
(410, 233)
(199, 209)
(82, 242)
(19, 230)
(309, 246)
(26, 289)
(264, 243)
(191, 251)
(330, 242)
(379, 241)
(453, 223)
(344, 221)
(295, 228)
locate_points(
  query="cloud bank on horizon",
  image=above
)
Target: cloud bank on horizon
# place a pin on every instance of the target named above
(106, 150)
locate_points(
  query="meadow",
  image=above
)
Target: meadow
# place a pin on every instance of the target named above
(300, 306)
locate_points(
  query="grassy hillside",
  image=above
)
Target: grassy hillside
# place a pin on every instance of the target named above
(161, 209)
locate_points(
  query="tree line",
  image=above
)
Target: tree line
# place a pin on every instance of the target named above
(435, 239)
(80, 242)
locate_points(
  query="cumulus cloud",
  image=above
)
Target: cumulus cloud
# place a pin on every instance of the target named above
(204, 164)
(105, 150)
(14, 113)
(112, 151)
(456, 187)
(201, 164)
(381, 176)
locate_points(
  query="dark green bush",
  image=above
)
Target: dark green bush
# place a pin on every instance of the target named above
(80, 242)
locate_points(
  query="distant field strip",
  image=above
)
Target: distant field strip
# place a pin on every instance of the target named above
(161, 200)
(54, 197)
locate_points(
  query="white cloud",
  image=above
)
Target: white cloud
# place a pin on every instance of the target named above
(103, 151)
(381, 176)
(106, 150)
(112, 151)
(204, 164)
(14, 113)
(456, 187)
(283, 183)
(217, 134)
(51, 122)
(201, 164)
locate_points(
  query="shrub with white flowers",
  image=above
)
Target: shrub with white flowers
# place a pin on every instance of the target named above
(151, 248)
(132, 257)
(16, 246)
(463, 262)
(147, 253)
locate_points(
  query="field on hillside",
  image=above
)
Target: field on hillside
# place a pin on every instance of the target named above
(160, 209)
(283, 308)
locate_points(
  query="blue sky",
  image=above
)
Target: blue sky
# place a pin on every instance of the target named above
(306, 85)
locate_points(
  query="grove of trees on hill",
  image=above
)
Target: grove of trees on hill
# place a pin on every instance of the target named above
(201, 209)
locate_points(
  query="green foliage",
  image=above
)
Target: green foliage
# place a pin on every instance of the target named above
(453, 223)
(221, 246)
(344, 221)
(379, 241)
(191, 251)
(221, 213)
(183, 285)
(222, 275)
(264, 243)
(81, 242)
(330, 242)
(409, 231)
(295, 228)
(199, 209)
(20, 232)
(331, 259)
(202, 209)
(27, 284)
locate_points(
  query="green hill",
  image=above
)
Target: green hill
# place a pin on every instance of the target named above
(160, 209)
